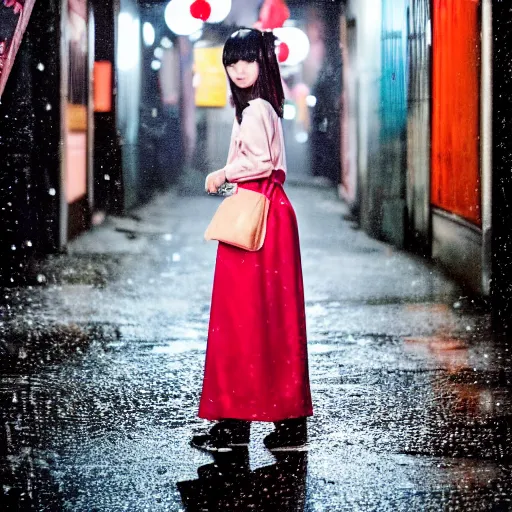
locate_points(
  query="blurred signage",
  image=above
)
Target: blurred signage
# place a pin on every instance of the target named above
(14, 16)
(210, 80)
(102, 86)
(77, 100)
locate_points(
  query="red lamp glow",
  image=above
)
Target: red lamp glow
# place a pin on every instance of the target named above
(201, 10)
(273, 14)
(17, 6)
(283, 51)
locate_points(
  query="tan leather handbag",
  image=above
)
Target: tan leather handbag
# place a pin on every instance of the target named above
(240, 220)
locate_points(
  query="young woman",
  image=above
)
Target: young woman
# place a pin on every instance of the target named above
(256, 360)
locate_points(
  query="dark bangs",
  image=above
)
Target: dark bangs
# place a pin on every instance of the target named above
(244, 44)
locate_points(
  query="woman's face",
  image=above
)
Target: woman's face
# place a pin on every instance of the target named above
(244, 74)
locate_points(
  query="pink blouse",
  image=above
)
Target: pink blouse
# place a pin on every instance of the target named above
(257, 144)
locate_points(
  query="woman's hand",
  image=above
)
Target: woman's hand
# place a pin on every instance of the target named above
(214, 180)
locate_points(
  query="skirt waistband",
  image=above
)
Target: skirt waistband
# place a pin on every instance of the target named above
(265, 186)
(278, 176)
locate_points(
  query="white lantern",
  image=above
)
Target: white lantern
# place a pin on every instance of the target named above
(297, 41)
(178, 18)
(220, 10)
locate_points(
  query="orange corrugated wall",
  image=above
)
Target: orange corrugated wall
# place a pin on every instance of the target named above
(455, 108)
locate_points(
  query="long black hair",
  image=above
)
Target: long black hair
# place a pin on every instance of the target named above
(252, 45)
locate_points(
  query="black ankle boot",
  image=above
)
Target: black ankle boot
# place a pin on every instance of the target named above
(224, 436)
(288, 435)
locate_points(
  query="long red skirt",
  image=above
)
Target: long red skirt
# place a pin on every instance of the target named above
(256, 359)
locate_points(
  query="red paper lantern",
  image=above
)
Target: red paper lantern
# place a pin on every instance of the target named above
(201, 10)
(273, 14)
(283, 51)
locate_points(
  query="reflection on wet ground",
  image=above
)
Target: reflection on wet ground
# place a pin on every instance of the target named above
(101, 365)
(229, 484)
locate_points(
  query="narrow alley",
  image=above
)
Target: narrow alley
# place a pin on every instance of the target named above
(102, 359)
(391, 122)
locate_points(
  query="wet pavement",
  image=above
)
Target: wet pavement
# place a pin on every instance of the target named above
(101, 366)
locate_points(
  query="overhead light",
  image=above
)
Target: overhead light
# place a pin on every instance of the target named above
(148, 33)
(297, 42)
(178, 18)
(196, 35)
(128, 45)
(302, 137)
(165, 42)
(311, 100)
(220, 10)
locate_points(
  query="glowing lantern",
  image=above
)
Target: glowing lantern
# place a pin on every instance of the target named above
(201, 10)
(273, 14)
(179, 19)
(297, 43)
(283, 51)
(220, 10)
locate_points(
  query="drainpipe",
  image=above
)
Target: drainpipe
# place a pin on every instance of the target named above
(486, 142)
(64, 75)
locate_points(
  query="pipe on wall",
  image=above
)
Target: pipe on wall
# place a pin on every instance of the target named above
(486, 141)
